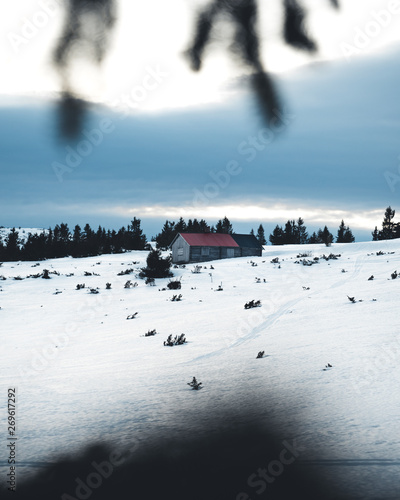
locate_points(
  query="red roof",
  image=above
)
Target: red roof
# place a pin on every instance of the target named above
(209, 240)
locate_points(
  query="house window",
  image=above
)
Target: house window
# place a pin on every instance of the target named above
(180, 252)
(205, 250)
(230, 252)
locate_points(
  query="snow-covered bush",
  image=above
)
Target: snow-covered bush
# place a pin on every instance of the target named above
(252, 303)
(129, 284)
(194, 384)
(177, 340)
(174, 285)
(127, 271)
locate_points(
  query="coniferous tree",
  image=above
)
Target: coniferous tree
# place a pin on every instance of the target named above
(61, 240)
(157, 266)
(277, 237)
(76, 245)
(168, 233)
(224, 226)
(136, 240)
(302, 234)
(344, 234)
(325, 236)
(204, 227)
(375, 234)
(290, 232)
(261, 235)
(89, 242)
(196, 226)
(181, 226)
(313, 238)
(387, 232)
(34, 247)
(12, 242)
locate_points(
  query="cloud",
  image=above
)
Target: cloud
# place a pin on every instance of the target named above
(343, 125)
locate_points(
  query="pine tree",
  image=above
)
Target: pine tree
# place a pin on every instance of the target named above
(168, 233)
(344, 234)
(76, 244)
(325, 236)
(261, 235)
(301, 232)
(196, 226)
(224, 226)
(89, 243)
(181, 226)
(290, 232)
(375, 234)
(137, 240)
(12, 243)
(387, 232)
(157, 266)
(277, 237)
(313, 238)
(204, 227)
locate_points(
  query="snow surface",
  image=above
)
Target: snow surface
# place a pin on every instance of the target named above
(84, 372)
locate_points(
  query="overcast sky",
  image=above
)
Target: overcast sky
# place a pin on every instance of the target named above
(193, 144)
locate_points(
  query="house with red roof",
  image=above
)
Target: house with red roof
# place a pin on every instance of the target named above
(201, 247)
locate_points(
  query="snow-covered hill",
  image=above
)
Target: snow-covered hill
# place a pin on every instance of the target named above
(23, 232)
(84, 371)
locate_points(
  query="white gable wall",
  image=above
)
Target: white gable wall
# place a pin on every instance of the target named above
(180, 251)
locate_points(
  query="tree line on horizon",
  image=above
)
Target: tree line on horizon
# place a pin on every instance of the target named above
(61, 242)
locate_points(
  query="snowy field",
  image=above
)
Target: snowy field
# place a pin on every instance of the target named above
(84, 372)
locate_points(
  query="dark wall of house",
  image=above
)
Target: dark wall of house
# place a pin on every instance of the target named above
(196, 254)
(251, 252)
(215, 253)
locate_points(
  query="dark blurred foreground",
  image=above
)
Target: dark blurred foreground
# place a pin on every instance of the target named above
(240, 463)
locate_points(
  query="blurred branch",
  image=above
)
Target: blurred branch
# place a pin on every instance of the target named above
(89, 23)
(243, 14)
(86, 32)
